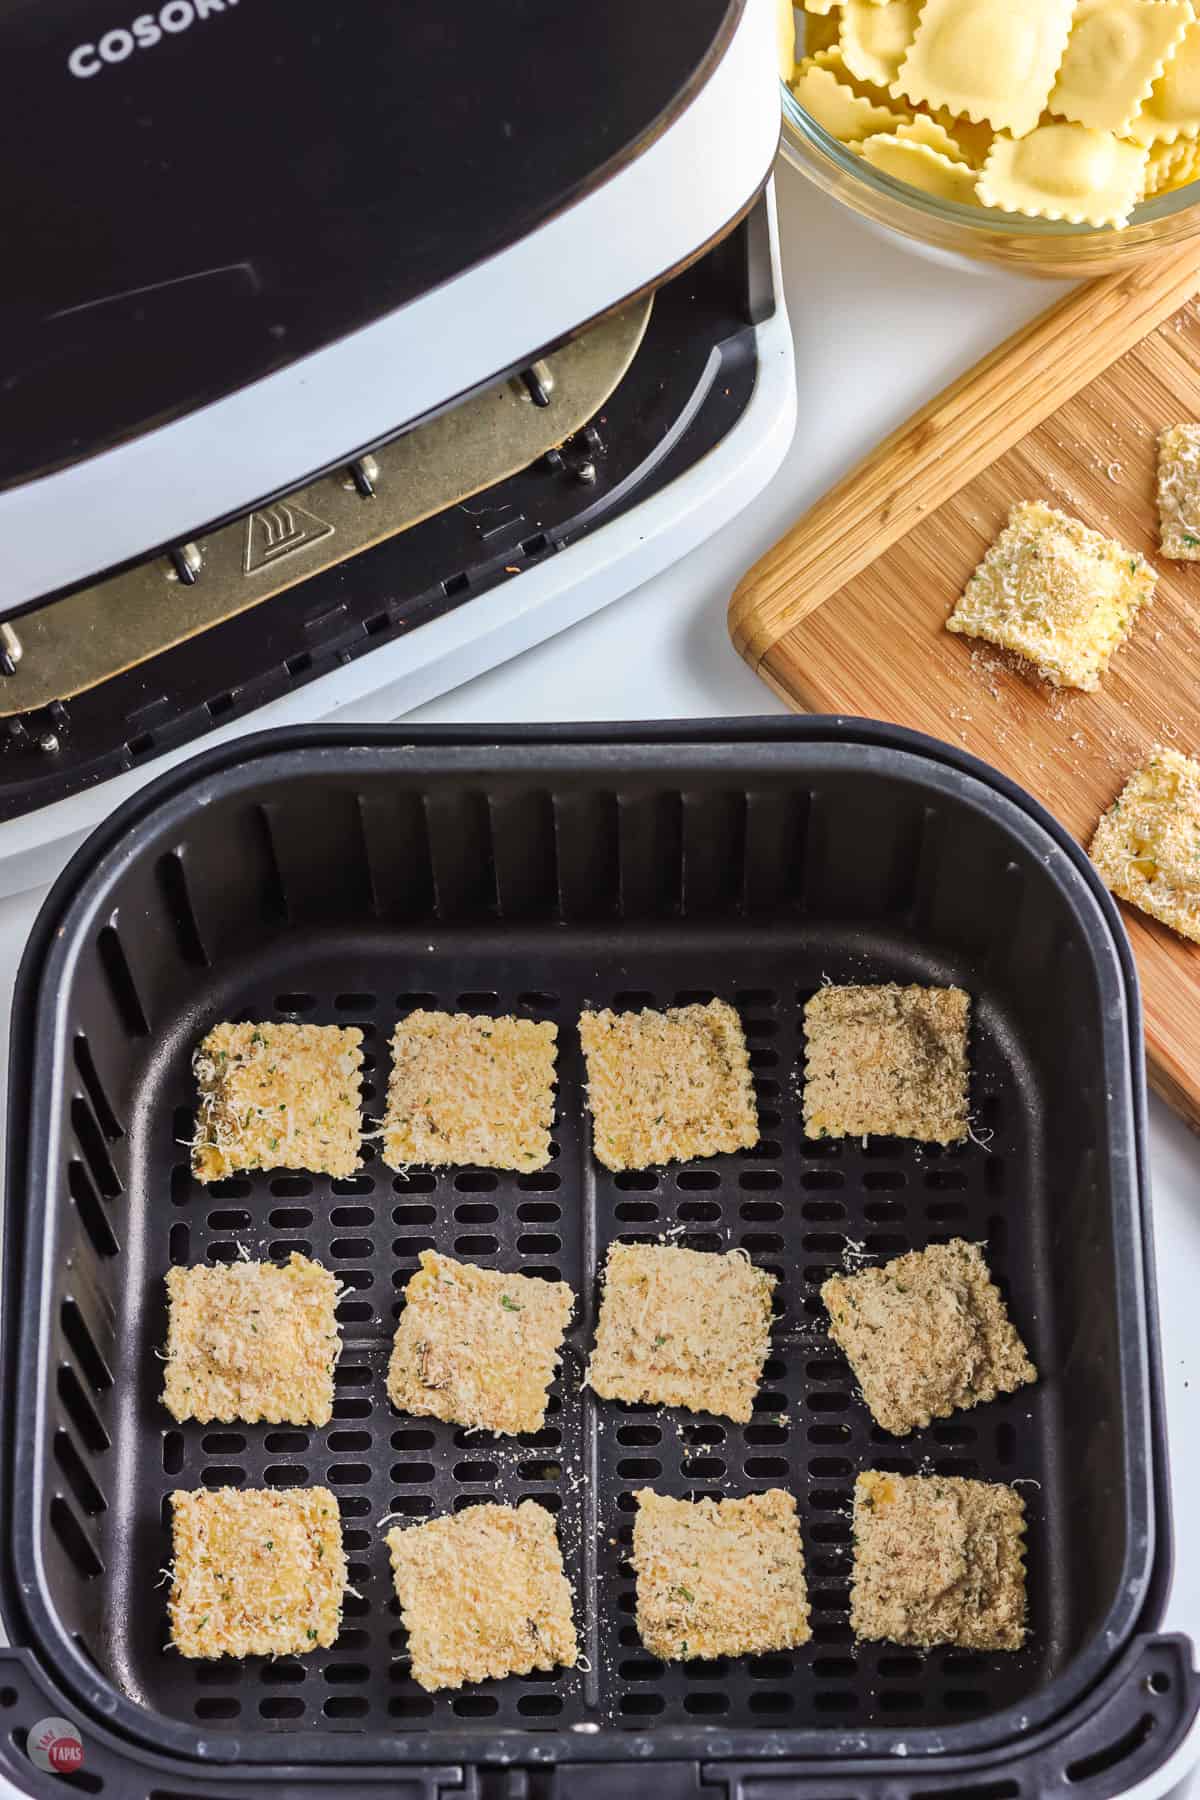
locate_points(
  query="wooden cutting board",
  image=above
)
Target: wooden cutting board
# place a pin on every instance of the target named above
(846, 614)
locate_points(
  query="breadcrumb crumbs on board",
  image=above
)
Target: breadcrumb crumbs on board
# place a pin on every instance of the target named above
(470, 1089)
(686, 1328)
(1147, 845)
(668, 1086)
(719, 1577)
(926, 1335)
(478, 1347)
(252, 1341)
(483, 1595)
(938, 1560)
(1062, 596)
(887, 1060)
(1179, 492)
(278, 1097)
(258, 1571)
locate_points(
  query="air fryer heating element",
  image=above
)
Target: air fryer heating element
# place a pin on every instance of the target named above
(326, 880)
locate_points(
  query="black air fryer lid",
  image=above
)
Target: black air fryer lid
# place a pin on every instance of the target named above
(211, 188)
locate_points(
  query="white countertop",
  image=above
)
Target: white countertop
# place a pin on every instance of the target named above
(878, 330)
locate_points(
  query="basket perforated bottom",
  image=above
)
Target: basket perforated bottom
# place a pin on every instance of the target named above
(796, 1207)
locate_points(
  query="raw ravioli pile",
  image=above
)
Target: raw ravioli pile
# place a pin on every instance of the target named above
(1051, 109)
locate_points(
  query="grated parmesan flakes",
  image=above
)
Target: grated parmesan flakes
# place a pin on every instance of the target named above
(889, 1060)
(278, 1097)
(938, 1560)
(686, 1328)
(252, 1341)
(1179, 492)
(258, 1571)
(469, 1089)
(926, 1334)
(483, 1595)
(1147, 845)
(719, 1577)
(476, 1346)
(668, 1086)
(1059, 595)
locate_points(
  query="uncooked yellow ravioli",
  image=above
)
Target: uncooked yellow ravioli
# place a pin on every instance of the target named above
(1173, 109)
(785, 26)
(875, 36)
(1114, 55)
(994, 60)
(921, 167)
(1171, 166)
(833, 60)
(1064, 171)
(924, 130)
(820, 32)
(838, 108)
(974, 139)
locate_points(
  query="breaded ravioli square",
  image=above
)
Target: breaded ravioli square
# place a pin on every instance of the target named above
(686, 1328)
(477, 1346)
(668, 1086)
(886, 1060)
(258, 1571)
(938, 1560)
(467, 1089)
(252, 1341)
(1055, 592)
(719, 1577)
(1179, 492)
(926, 1335)
(483, 1595)
(1147, 845)
(278, 1097)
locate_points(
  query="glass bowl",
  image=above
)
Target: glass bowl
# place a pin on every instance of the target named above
(980, 233)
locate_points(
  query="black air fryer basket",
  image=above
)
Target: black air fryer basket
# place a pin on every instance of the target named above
(327, 876)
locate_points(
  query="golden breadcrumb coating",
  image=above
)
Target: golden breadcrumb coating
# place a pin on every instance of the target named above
(478, 1346)
(483, 1595)
(888, 1060)
(469, 1089)
(686, 1328)
(258, 1571)
(926, 1334)
(719, 1577)
(252, 1341)
(1147, 845)
(938, 1560)
(278, 1097)
(668, 1086)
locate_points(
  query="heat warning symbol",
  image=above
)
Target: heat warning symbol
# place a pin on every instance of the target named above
(279, 530)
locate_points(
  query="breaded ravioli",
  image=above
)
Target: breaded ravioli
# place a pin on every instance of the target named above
(938, 1560)
(278, 1097)
(468, 1089)
(668, 1086)
(684, 1328)
(926, 1335)
(719, 1577)
(483, 1594)
(258, 1571)
(886, 1060)
(478, 1346)
(252, 1341)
